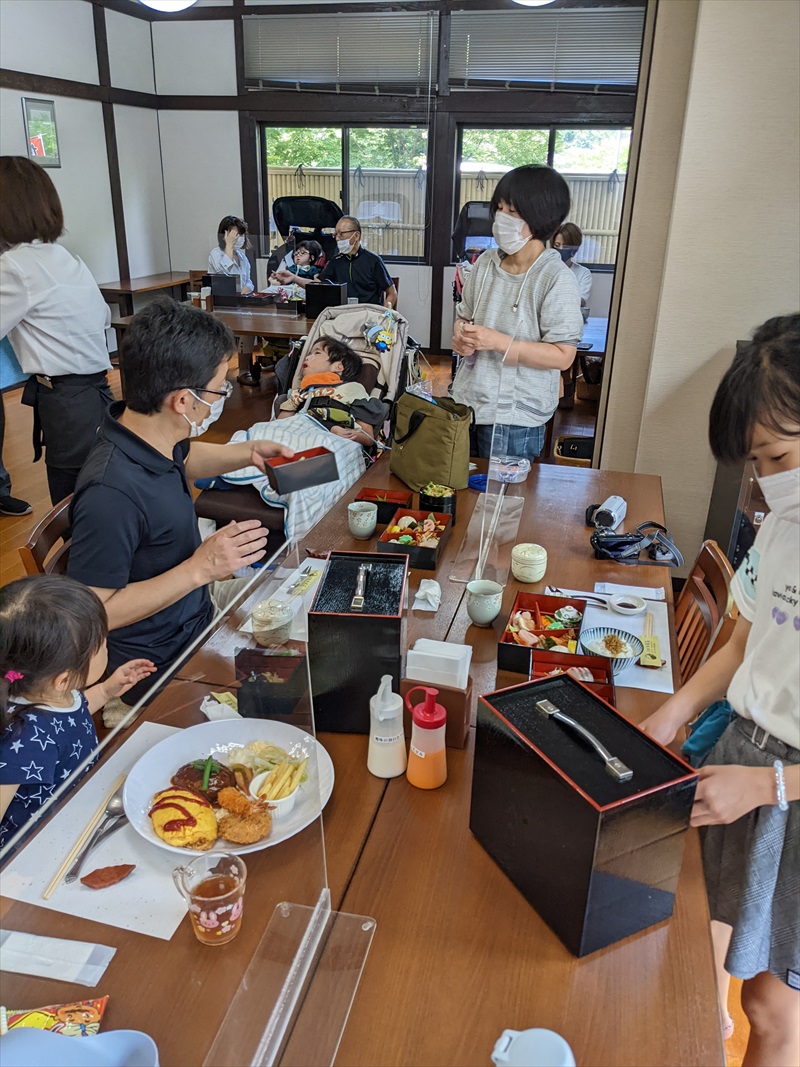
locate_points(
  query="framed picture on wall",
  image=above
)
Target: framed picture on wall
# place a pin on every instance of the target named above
(41, 132)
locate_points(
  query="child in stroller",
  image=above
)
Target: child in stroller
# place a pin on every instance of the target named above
(329, 392)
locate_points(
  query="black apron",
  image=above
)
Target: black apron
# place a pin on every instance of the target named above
(67, 411)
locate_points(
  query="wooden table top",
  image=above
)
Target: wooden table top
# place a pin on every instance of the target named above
(149, 283)
(458, 954)
(256, 323)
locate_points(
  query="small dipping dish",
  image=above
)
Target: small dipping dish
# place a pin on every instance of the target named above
(280, 808)
(626, 604)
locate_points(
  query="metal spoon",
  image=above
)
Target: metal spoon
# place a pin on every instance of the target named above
(580, 596)
(113, 818)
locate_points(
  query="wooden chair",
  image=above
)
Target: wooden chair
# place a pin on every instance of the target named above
(702, 608)
(43, 539)
(196, 278)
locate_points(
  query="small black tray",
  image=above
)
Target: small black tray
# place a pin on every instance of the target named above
(312, 467)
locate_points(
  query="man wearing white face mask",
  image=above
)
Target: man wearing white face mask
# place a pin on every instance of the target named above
(135, 538)
(365, 274)
(519, 320)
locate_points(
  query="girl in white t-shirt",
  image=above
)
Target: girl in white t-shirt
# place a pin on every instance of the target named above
(748, 796)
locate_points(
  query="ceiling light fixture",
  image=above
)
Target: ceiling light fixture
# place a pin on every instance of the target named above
(533, 3)
(171, 6)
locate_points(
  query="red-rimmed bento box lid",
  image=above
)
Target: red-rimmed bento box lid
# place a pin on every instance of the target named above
(601, 709)
(313, 466)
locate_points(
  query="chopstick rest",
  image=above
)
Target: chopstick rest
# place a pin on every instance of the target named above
(54, 957)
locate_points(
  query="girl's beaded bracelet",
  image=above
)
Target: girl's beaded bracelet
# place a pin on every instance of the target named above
(780, 785)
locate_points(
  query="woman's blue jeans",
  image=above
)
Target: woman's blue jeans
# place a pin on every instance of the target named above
(524, 441)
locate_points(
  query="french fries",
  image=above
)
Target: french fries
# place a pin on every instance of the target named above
(282, 780)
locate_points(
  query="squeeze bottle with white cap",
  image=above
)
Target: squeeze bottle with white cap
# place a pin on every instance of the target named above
(427, 760)
(387, 744)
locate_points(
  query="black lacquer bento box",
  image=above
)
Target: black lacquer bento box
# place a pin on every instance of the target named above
(312, 467)
(425, 558)
(350, 651)
(597, 858)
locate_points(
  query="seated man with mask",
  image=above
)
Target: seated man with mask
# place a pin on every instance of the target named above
(135, 538)
(367, 279)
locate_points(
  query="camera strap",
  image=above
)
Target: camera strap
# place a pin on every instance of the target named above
(649, 537)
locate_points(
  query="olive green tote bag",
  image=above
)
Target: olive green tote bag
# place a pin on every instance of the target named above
(431, 441)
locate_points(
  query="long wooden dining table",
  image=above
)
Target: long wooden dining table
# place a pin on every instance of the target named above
(458, 954)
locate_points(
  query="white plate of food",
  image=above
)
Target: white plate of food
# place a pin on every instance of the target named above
(225, 742)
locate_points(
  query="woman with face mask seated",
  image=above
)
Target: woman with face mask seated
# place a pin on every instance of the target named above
(566, 242)
(519, 320)
(229, 258)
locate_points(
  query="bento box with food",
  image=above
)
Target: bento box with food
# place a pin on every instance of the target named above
(538, 621)
(388, 501)
(420, 535)
(593, 671)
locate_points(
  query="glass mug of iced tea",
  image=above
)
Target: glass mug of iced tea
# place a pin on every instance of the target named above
(213, 886)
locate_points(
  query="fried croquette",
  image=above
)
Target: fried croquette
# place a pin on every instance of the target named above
(246, 821)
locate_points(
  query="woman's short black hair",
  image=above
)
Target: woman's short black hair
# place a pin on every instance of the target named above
(30, 209)
(761, 387)
(314, 249)
(538, 194)
(49, 624)
(232, 222)
(340, 352)
(171, 346)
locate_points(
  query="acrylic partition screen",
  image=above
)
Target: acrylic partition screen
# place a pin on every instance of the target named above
(242, 699)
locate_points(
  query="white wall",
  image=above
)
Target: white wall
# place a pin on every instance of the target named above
(142, 190)
(81, 180)
(130, 52)
(195, 58)
(202, 178)
(52, 37)
(414, 298)
(736, 193)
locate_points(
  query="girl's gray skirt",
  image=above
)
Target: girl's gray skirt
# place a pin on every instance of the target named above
(752, 866)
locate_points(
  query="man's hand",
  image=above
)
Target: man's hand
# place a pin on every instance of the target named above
(282, 277)
(264, 450)
(236, 545)
(126, 677)
(724, 794)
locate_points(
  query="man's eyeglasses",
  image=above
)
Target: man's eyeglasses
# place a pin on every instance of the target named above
(226, 390)
(338, 234)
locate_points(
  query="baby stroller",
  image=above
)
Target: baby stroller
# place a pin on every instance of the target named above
(380, 336)
(304, 218)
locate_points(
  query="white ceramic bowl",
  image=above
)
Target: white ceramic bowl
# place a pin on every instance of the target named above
(626, 604)
(280, 808)
(590, 638)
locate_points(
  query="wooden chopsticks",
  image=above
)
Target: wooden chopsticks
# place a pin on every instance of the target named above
(84, 837)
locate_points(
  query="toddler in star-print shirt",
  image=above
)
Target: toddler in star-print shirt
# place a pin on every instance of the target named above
(52, 643)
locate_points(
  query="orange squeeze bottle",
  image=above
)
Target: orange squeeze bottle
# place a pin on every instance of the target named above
(427, 759)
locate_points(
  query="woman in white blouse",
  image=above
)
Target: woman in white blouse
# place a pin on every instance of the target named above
(56, 319)
(567, 242)
(229, 258)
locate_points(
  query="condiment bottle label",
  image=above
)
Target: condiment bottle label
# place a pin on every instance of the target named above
(417, 752)
(387, 740)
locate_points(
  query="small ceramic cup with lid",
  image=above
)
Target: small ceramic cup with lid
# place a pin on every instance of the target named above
(528, 562)
(272, 623)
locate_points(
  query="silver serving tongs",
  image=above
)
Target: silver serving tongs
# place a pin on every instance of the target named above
(615, 767)
(357, 603)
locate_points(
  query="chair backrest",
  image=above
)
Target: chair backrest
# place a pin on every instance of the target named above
(44, 538)
(702, 607)
(196, 277)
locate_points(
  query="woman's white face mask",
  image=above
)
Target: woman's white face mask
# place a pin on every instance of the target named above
(240, 240)
(507, 231)
(214, 412)
(782, 493)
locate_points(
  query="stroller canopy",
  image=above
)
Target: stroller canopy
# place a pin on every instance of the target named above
(305, 212)
(473, 221)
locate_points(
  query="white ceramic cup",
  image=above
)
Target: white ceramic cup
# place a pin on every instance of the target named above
(272, 623)
(532, 1048)
(528, 562)
(483, 601)
(362, 518)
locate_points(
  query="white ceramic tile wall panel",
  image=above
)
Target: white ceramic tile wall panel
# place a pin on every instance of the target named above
(130, 52)
(202, 178)
(195, 58)
(51, 37)
(750, 201)
(81, 180)
(142, 190)
(414, 298)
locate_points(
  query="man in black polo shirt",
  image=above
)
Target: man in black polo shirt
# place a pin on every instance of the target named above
(135, 538)
(367, 279)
